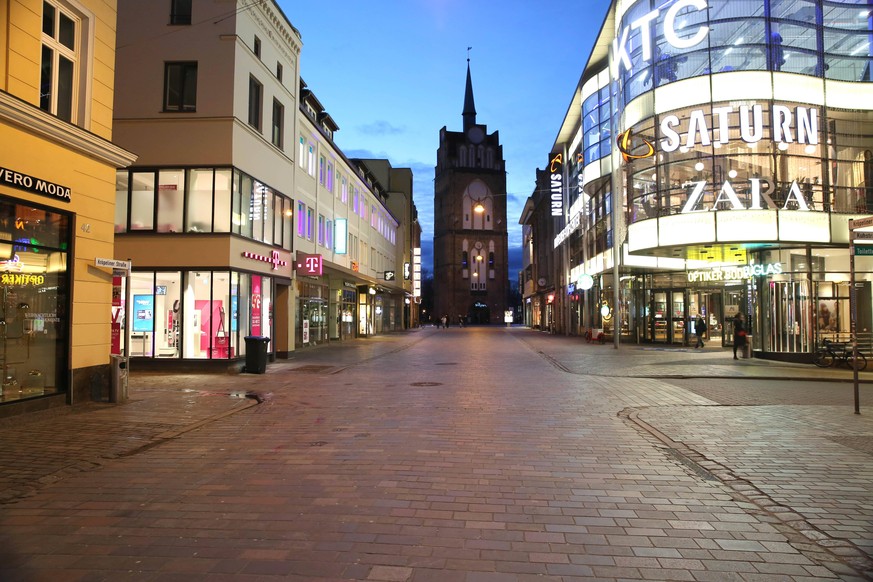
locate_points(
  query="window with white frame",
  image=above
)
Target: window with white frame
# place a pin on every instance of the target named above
(310, 222)
(321, 232)
(62, 78)
(301, 219)
(328, 234)
(329, 184)
(301, 155)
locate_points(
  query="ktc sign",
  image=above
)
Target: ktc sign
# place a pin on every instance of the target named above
(310, 265)
(621, 54)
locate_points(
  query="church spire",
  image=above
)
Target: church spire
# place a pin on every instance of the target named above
(469, 106)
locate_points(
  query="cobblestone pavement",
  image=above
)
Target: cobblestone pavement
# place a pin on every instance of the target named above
(474, 455)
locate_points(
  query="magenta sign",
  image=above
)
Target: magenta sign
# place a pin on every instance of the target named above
(307, 264)
(256, 305)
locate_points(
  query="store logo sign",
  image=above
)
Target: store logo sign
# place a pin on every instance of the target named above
(734, 273)
(34, 185)
(309, 265)
(273, 259)
(631, 150)
(787, 126)
(556, 165)
(621, 55)
(727, 195)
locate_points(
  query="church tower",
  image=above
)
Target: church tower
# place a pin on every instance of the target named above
(470, 245)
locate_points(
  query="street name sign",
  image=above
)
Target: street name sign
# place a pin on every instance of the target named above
(113, 263)
(861, 222)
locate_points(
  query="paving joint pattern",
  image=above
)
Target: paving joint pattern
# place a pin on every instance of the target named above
(802, 535)
(95, 462)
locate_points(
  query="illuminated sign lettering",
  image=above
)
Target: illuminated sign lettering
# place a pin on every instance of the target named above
(557, 185)
(273, 259)
(734, 273)
(416, 272)
(797, 126)
(728, 195)
(621, 55)
(568, 230)
(22, 280)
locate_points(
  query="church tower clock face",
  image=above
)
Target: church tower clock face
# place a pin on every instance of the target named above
(475, 135)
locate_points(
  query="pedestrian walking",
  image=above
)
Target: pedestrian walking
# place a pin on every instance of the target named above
(700, 330)
(740, 334)
(444, 320)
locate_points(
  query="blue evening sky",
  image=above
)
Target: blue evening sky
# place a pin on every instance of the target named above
(391, 73)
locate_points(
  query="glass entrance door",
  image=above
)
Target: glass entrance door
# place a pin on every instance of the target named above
(707, 304)
(666, 316)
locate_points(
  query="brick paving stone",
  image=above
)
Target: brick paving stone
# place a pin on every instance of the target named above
(605, 467)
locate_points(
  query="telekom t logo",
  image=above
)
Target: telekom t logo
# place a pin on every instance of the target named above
(310, 265)
(313, 265)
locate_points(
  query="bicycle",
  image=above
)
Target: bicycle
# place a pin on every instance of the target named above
(832, 352)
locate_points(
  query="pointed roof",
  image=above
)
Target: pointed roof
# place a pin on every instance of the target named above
(469, 105)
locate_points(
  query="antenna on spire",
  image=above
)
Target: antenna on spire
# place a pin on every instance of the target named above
(469, 48)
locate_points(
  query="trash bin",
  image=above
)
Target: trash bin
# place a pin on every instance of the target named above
(117, 379)
(747, 349)
(256, 354)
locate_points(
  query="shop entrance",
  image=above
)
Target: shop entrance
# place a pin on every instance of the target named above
(734, 304)
(665, 322)
(707, 303)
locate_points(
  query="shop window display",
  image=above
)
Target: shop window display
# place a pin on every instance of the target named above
(34, 300)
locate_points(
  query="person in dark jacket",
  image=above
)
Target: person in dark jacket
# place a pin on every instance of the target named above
(740, 334)
(699, 330)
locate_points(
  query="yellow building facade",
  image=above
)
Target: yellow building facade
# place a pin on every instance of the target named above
(57, 200)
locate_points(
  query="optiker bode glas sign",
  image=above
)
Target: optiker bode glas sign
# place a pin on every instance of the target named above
(307, 264)
(34, 185)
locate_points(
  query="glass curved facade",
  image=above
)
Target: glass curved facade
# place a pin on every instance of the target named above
(669, 42)
(730, 133)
